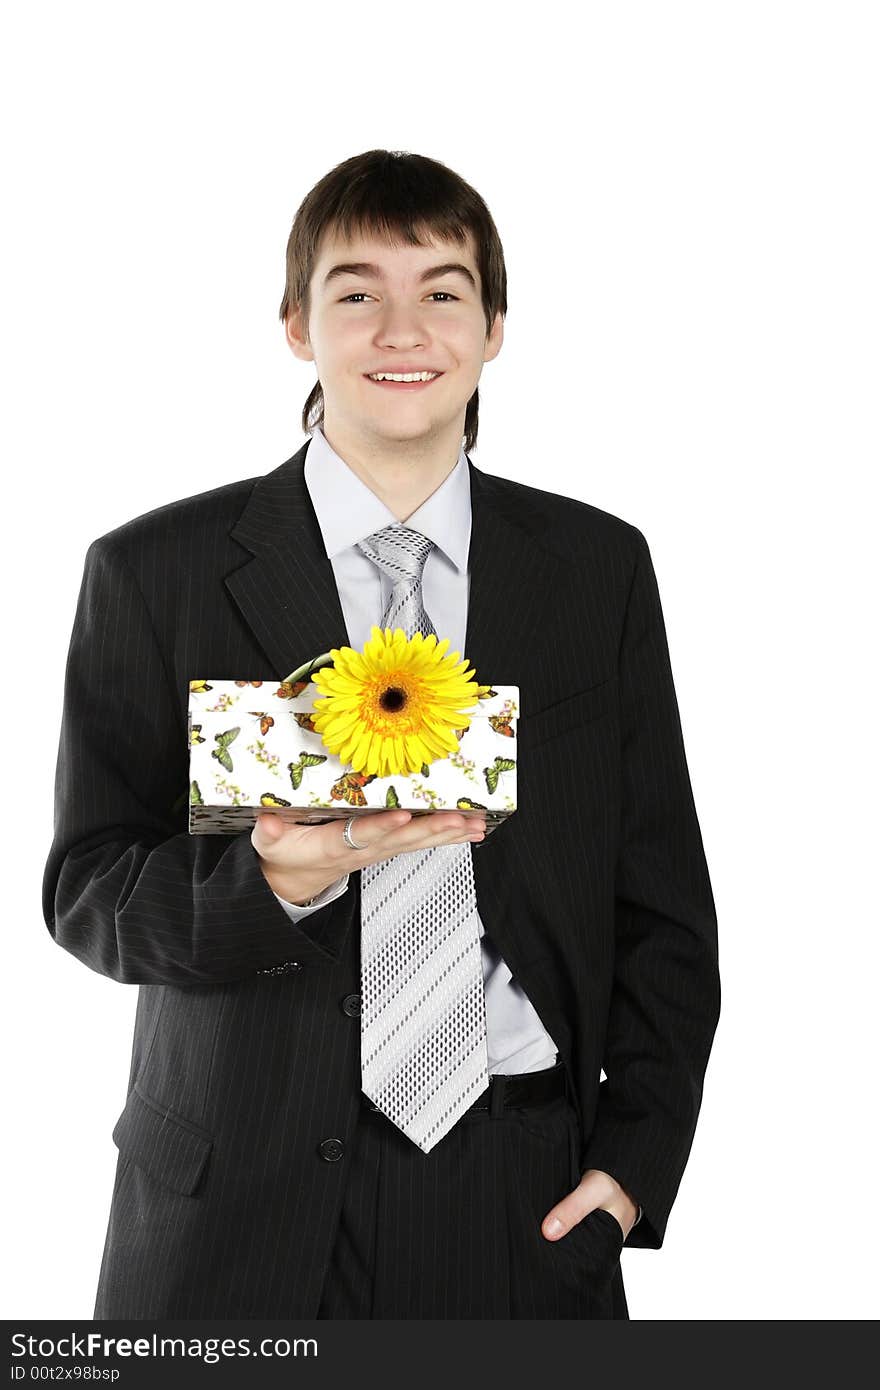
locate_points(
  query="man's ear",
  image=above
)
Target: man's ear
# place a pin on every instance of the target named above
(494, 339)
(297, 339)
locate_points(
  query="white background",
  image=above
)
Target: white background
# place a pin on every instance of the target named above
(687, 198)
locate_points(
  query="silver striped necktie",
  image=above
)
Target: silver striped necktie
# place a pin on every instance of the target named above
(424, 1057)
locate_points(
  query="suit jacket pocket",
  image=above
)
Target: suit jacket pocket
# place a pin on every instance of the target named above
(566, 715)
(168, 1147)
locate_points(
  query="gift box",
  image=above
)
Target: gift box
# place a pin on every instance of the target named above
(253, 748)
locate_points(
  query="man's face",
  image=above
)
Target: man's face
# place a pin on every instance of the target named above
(376, 308)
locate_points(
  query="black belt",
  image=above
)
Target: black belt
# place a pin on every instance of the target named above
(509, 1091)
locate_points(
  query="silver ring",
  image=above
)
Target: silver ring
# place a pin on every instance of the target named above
(346, 834)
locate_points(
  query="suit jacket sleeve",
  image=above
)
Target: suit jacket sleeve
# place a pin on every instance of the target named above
(126, 888)
(665, 1000)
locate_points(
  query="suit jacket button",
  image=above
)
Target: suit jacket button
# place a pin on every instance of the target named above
(331, 1150)
(351, 1005)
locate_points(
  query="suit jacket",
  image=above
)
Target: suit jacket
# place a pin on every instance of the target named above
(246, 1050)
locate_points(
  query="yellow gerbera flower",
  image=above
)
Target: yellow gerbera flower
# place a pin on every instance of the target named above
(393, 706)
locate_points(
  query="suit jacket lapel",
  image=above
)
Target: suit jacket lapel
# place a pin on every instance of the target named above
(286, 592)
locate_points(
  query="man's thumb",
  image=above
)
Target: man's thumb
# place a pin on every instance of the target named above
(267, 829)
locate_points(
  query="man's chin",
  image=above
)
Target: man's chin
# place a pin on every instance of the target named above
(402, 429)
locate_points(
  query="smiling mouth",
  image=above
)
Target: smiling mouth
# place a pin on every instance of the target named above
(404, 385)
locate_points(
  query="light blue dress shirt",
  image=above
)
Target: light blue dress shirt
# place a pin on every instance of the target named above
(347, 511)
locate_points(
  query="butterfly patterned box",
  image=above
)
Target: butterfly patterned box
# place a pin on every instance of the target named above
(253, 748)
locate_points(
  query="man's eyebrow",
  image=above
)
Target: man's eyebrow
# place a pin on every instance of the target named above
(366, 268)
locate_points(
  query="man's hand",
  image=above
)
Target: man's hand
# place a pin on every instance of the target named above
(299, 860)
(595, 1189)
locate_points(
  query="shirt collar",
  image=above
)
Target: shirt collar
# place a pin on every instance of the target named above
(348, 511)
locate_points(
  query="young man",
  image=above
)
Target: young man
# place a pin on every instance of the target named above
(298, 1140)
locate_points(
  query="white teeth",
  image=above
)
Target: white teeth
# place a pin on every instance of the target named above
(403, 376)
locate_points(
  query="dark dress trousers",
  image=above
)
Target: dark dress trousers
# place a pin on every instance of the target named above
(244, 1084)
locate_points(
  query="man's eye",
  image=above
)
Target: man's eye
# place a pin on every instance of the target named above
(360, 294)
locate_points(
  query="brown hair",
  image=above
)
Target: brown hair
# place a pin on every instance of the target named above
(402, 197)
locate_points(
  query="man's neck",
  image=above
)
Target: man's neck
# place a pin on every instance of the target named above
(401, 473)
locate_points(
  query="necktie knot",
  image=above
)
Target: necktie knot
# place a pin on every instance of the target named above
(399, 551)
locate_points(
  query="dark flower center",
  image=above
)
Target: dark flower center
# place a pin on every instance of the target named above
(392, 699)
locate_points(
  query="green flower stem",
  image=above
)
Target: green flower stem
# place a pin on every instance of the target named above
(305, 672)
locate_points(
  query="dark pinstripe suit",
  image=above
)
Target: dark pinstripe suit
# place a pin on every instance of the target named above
(244, 1059)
